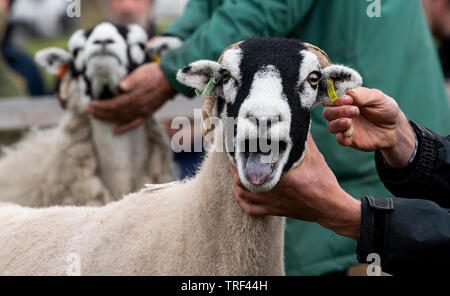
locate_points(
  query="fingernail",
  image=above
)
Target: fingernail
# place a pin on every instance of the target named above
(352, 111)
(347, 97)
(124, 85)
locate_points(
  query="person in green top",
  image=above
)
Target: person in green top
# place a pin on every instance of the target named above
(389, 45)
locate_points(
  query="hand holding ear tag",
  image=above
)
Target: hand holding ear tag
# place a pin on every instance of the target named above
(333, 97)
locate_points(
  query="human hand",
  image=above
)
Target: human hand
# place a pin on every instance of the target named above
(4, 15)
(309, 192)
(378, 124)
(145, 90)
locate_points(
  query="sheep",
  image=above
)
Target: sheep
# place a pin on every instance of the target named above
(81, 161)
(194, 227)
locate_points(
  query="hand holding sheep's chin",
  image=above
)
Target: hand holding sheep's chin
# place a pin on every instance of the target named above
(378, 124)
(309, 192)
(145, 90)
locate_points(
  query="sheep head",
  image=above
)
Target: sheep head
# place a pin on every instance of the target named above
(268, 88)
(99, 58)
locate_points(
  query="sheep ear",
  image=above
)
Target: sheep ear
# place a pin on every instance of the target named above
(158, 46)
(53, 59)
(136, 40)
(344, 78)
(198, 74)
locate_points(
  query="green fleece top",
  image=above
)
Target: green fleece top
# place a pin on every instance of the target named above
(393, 53)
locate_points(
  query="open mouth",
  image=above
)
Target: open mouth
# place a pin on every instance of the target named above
(261, 159)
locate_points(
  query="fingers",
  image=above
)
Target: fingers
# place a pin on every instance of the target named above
(128, 126)
(340, 125)
(249, 207)
(234, 173)
(339, 116)
(311, 146)
(112, 105)
(101, 115)
(134, 79)
(344, 100)
(363, 96)
(246, 199)
(343, 141)
(332, 113)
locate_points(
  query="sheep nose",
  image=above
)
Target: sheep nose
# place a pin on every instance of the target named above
(264, 121)
(104, 42)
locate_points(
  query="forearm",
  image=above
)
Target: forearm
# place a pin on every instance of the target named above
(345, 218)
(410, 236)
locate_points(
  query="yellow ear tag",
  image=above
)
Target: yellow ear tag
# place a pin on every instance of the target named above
(155, 58)
(206, 93)
(331, 92)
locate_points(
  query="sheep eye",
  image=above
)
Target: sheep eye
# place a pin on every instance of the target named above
(226, 76)
(76, 51)
(314, 78)
(142, 45)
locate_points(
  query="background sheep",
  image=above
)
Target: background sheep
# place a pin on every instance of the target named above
(81, 161)
(196, 227)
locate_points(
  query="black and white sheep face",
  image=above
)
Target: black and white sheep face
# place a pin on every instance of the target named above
(268, 87)
(110, 53)
(76, 47)
(102, 56)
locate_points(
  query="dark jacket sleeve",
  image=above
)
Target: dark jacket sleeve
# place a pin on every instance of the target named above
(410, 236)
(427, 176)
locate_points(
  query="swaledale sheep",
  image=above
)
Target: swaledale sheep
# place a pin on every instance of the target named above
(81, 161)
(194, 227)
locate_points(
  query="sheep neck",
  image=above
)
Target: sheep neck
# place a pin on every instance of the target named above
(256, 243)
(121, 158)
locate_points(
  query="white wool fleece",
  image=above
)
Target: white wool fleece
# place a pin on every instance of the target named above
(193, 228)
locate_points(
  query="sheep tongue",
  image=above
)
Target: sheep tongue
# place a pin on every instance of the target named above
(257, 171)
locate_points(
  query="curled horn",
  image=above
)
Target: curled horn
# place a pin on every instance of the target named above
(208, 104)
(63, 92)
(324, 60)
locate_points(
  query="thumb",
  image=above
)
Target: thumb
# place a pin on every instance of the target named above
(311, 149)
(131, 81)
(363, 96)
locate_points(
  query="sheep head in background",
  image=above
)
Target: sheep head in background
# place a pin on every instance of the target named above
(268, 87)
(101, 56)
